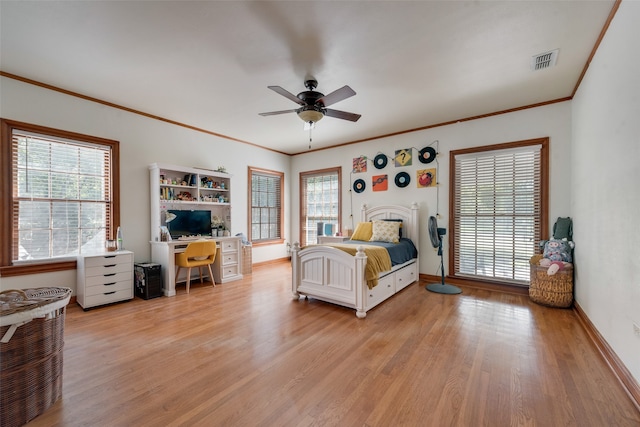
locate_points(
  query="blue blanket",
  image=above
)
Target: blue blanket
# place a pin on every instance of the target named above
(398, 252)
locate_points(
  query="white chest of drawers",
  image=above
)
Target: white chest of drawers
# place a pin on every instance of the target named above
(226, 266)
(104, 278)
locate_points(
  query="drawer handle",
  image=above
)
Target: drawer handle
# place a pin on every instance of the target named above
(110, 274)
(109, 284)
(109, 256)
(110, 265)
(109, 293)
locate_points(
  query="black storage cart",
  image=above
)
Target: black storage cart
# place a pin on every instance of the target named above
(148, 280)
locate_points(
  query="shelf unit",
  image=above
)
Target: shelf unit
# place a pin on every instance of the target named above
(184, 188)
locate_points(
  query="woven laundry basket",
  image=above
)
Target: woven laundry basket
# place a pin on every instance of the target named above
(31, 343)
(553, 291)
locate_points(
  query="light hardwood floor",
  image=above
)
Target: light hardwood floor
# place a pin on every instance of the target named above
(245, 354)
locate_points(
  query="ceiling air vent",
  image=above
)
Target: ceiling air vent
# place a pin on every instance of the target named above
(544, 60)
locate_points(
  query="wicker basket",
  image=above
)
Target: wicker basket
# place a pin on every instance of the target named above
(32, 333)
(552, 291)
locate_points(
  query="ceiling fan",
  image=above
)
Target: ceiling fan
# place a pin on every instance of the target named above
(313, 105)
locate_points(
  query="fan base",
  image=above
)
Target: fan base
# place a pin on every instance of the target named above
(443, 288)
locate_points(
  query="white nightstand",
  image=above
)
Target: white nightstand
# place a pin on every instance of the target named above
(331, 239)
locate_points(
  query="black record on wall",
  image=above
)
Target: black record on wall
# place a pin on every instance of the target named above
(402, 179)
(359, 185)
(380, 161)
(427, 155)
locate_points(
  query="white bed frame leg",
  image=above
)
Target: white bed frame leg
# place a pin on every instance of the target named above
(295, 270)
(361, 283)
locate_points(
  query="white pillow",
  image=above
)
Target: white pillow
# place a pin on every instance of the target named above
(385, 231)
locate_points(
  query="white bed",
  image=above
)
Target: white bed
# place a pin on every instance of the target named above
(330, 274)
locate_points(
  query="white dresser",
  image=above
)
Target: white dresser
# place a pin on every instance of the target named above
(227, 262)
(104, 278)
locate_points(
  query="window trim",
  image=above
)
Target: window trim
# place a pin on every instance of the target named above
(7, 235)
(303, 175)
(544, 199)
(250, 171)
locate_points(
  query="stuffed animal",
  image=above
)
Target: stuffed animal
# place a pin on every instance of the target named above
(556, 255)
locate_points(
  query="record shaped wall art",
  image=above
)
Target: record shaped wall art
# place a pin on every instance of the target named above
(427, 155)
(402, 179)
(359, 185)
(380, 161)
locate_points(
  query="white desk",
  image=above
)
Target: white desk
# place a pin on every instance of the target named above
(226, 266)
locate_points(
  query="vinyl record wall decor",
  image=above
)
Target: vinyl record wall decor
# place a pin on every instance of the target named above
(424, 178)
(359, 185)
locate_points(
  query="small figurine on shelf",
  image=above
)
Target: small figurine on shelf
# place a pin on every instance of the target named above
(184, 196)
(222, 169)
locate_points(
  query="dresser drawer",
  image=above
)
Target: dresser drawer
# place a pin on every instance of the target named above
(229, 271)
(230, 258)
(406, 276)
(106, 298)
(108, 288)
(95, 261)
(102, 270)
(108, 278)
(229, 245)
(379, 293)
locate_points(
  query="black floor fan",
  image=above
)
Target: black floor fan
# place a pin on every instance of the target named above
(436, 234)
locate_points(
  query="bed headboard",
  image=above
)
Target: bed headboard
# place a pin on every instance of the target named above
(409, 217)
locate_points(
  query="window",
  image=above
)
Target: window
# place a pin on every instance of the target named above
(59, 196)
(319, 203)
(266, 206)
(498, 210)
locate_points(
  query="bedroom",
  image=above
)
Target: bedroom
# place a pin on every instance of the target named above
(593, 173)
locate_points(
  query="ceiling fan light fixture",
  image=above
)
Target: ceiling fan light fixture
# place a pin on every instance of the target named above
(310, 114)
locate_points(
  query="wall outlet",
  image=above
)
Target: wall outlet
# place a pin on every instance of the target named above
(636, 329)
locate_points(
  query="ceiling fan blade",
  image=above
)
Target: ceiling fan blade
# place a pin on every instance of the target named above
(287, 94)
(337, 95)
(273, 113)
(342, 115)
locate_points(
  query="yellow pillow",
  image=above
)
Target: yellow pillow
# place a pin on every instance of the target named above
(363, 231)
(385, 231)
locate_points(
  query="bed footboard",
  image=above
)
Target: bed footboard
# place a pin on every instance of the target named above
(332, 275)
(329, 274)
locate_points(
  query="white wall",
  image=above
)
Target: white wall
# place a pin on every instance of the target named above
(606, 197)
(553, 121)
(142, 141)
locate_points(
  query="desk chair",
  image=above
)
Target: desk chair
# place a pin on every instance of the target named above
(197, 254)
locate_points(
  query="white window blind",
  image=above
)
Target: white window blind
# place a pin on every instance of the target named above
(497, 213)
(61, 196)
(266, 206)
(320, 202)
